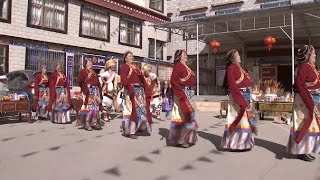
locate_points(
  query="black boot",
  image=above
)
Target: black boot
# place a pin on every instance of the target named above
(304, 157)
(311, 157)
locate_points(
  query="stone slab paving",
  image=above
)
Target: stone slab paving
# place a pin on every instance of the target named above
(46, 151)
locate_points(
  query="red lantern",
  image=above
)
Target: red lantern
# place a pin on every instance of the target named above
(214, 46)
(269, 41)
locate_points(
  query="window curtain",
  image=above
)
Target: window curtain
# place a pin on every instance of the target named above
(94, 24)
(4, 6)
(137, 31)
(123, 32)
(36, 12)
(86, 23)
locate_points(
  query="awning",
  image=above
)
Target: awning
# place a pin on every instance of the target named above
(250, 27)
(131, 9)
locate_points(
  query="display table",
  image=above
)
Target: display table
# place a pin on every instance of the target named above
(262, 107)
(22, 106)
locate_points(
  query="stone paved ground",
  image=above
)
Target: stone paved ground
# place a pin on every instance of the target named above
(48, 151)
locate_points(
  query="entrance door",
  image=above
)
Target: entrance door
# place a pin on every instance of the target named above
(284, 76)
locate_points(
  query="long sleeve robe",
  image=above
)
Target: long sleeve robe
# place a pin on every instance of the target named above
(181, 78)
(307, 78)
(131, 76)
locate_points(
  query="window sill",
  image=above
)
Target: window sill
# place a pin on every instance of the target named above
(95, 38)
(131, 45)
(47, 29)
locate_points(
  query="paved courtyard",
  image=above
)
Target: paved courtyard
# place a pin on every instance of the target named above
(45, 151)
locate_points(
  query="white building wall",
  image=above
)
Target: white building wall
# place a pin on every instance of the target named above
(18, 28)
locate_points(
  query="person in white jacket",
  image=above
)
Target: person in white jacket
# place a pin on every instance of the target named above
(108, 79)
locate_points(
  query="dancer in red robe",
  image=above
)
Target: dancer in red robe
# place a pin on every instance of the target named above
(240, 125)
(90, 86)
(42, 94)
(305, 131)
(60, 99)
(183, 123)
(136, 112)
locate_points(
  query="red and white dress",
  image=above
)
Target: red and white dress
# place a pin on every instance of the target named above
(305, 131)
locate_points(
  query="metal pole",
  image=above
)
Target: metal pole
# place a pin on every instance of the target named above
(197, 59)
(292, 46)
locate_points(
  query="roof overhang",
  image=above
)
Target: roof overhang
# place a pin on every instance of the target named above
(131, 9)
(250, 27)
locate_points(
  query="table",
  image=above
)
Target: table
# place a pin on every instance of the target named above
(262, 107)
(22, 106)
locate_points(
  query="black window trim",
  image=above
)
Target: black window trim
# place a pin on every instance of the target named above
(9, 13)
(133, 21)
(93, 37)
(161, 43)
(47, 28)
(162, 10)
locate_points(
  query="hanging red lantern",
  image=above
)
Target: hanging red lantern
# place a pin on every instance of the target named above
(269, 41)
(214, 45)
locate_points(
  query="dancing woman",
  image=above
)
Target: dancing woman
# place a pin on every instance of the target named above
(136, 113)
(240, 125)
(42, 93)
(152, 81)
(60, 99)
(167, 98)
(183, 123)
(305, 131)
(90, 86)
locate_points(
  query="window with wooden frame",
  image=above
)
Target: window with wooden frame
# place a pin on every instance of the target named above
(48, 14)
(130, 33)
(5, 11)
(94, 24)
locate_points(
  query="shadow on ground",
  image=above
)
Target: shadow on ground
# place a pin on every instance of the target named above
(164, 133)
(278, 149)
(214, 139)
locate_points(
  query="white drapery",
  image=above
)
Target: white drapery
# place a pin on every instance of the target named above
(130, 33)
(4, 10)
(95, 24)
(49, 13)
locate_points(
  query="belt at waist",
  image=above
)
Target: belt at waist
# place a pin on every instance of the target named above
(155, 96)
(43, 86)
(60, 87)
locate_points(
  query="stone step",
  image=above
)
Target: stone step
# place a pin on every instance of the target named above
(207, 106)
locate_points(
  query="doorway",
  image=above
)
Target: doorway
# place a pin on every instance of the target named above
(284, 76)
